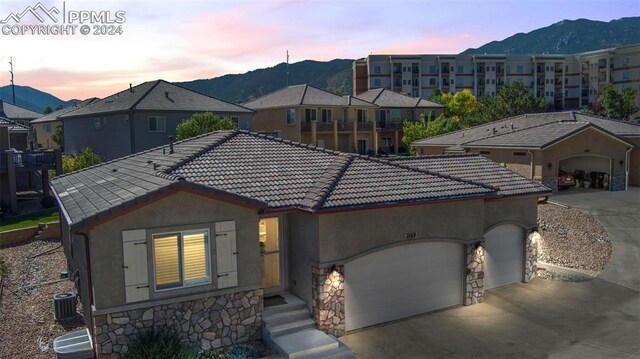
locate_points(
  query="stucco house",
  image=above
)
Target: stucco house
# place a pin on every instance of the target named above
(604, 152)
(141, 117)
(193, 236)
(393, 109)
(43, 128)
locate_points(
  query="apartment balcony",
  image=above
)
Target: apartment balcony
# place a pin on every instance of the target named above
(365, 126)
(29, 161)
(389, 125)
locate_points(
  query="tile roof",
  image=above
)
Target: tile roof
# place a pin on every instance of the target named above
(532, 130)
(157, 95)
(300, 95)
(53, 116)
(273, 173)
(474, 167)
(15, 112)
(387, 98)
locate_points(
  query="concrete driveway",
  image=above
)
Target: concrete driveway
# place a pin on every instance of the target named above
(542, 319)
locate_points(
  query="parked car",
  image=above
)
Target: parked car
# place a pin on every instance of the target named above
(566, 180)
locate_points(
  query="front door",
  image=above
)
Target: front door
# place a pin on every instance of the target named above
(271, 256)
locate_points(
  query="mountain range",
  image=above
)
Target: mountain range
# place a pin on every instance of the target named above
(564, 37)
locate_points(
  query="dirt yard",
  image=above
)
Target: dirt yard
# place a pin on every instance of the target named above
(27, 324)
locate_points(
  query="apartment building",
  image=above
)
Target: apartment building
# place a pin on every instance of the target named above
(566, 81)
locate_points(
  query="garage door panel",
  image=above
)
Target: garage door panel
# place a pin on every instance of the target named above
(504, 254)
(402, 281)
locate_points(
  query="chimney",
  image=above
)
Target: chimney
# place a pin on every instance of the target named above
(170, 144)
(131, 88)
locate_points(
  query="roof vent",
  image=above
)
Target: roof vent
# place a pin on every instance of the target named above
(170, 145)
(130, 87)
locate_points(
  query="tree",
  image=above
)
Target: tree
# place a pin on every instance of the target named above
(511, 100)
(442, 125)
(85, 158)
(201, 123)
(58, 136)
(618, 104)
(461, 104)
(47, 110)
(413, 131)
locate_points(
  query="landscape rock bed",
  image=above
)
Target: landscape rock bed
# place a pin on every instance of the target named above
(27, 325)
(572, 239)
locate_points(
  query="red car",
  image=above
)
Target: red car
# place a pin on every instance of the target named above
(566, 180)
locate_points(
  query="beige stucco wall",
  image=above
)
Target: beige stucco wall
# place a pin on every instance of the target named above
(303, 250)
(181, 210)
(44, 138)
(520, 211)
(634, 162)
(518, 164)
(275, 119)
(431, 150)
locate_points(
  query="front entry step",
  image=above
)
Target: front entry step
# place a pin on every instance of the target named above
(304, 343)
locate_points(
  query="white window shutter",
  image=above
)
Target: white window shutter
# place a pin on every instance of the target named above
(226, 254)
(136, 279)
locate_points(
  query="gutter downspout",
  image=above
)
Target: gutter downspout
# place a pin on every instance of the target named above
(626, 168)
(87, 258)
(533, 170)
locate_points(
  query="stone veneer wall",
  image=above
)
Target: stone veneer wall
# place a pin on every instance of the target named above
(474, 278)
(531, 256)
(327, 300)
(208, 323)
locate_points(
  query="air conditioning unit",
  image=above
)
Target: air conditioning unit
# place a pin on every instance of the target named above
(64, 305)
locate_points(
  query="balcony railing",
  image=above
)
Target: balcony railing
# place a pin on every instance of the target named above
(24, 161)
(365, 126)
(342, 126)
(389, 125)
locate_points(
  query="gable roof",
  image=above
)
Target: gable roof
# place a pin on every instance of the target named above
(53, 116)
(531, 131)
(156, 95)
(386, 98)
(15, 112)
(279, 174)
(300, 95)
(13, 126)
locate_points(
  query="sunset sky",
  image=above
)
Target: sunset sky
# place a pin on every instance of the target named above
(186, 40)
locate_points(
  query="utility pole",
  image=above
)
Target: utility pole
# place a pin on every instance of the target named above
(13, 88)
(287, 68)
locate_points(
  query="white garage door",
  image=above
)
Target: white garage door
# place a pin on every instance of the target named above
(504, 253)
(402, 281)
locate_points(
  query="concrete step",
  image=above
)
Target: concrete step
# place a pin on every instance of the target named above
(272, 319)
(288, 328)
(292, 303)
(304, 343)
(341, 352)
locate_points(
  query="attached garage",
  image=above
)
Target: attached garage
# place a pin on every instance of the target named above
(588, 168)
(402, 281)
(504, 256)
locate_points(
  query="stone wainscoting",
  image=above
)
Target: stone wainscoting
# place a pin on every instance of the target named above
(531, 256)
(208, 323)
(474, 277)
(327, 302)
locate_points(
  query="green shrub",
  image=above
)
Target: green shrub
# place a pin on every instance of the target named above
(160, 344)
(201, 123)
(85, 158)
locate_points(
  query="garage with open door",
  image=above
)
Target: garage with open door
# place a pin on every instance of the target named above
(590, 171)
(504, 256)
(402, 281)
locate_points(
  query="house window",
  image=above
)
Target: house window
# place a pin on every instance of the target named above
(47, 127)
(376, 69)
(291, 116)
(157, 124)
(432, 69)
(363, 115)
(235, 120)
(626, 75)
(485, 152)
(310, 114)
(432, 82)
(519, 154)
(181, 259)
(519, 69)
(326, 115)
(387, 141)
(460, 69)
(459, 81)
(377, 83)
(396, 115)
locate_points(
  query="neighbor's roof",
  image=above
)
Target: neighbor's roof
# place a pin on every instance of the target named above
(537, 130)
(157, 95)
(53, 116)
(387, 98)
(300, 95)
(477, 168)
(15, 112)
(12, 125)
(272, 174)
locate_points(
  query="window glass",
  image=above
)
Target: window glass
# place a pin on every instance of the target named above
(195, 257)
(291, 116)
(157, 124)
(310, 114)
(166, 258)
(181, 259)
(326, 115)
(395, 115)
(363, 115)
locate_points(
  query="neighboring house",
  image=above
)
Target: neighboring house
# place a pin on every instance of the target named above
(18, 114)
(541, 146)
(307, 114)
(393, 109)
(191, 236)
(43, 128)
(140, 118)
(567, 81)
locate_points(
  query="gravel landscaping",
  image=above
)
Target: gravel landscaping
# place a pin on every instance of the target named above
(27, 325)
(572, 239)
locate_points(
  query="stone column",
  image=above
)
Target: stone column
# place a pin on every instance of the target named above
(314, 132)
(531, 256)
(474, 276)
(328, 299)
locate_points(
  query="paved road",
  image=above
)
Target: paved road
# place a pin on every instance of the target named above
(542, 319)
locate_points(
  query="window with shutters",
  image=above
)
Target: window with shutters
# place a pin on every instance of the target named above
(181, 259)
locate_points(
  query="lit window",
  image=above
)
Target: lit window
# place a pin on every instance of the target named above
(363, 116)
(310, 114)
(181, 259)
(291, 116)
(157, 124)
